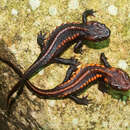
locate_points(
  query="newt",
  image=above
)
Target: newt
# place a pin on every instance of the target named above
(80, 78)
(59, 40)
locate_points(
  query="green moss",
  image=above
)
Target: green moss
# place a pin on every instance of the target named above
(124, 96)
(98, 45)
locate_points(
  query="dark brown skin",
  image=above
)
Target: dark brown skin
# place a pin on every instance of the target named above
(81, 77)
(59, 40)
(63, 37)
(119, 80)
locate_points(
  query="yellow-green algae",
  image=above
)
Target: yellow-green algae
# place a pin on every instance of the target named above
(19, 32)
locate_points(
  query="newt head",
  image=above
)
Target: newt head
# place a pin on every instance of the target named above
(120, 80)
(97, 31)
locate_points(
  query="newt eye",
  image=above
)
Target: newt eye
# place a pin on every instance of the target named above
(119, 87)
(116, 86)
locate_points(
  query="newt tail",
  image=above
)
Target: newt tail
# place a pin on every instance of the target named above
(59, 40)
(81, 77)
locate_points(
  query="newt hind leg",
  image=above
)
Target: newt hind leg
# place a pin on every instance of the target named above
(69, 72)
(40, 40)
